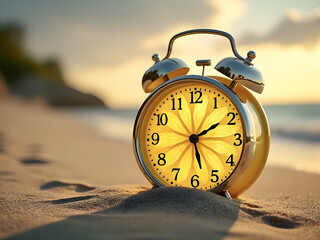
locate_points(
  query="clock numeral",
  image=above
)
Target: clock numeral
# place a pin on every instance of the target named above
(178, 170)
(198, 99)
(232, 118)
(230, 160)
(174, 104)
(155, 138)
(238, 137)
(194, 181)
(162, 119)
(161, 160)
(216, 177)
(215, 103)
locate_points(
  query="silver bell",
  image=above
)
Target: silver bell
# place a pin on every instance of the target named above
(242, 72)
(163, 71)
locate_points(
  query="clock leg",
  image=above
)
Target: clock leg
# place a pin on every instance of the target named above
(154, 186)
(225, 194)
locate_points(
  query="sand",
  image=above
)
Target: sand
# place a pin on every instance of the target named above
(58, 180)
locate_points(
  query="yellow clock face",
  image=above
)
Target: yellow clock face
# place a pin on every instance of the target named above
(190, 134)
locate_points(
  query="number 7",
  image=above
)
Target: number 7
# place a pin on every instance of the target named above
(178, 170)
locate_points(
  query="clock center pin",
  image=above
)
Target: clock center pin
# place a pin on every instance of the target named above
(193, 138)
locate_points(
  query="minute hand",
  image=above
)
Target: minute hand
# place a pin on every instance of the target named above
(210, 128)
(197, 155)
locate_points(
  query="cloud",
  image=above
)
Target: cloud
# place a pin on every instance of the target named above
(225, 15)
(100, 32)
(294, 29)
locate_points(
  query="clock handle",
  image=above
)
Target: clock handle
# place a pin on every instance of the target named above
(205, 31)
(239, 69)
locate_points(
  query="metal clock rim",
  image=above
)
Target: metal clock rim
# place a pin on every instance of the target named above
(249, 138)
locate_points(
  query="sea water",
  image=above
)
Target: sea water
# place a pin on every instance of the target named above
(295, 132)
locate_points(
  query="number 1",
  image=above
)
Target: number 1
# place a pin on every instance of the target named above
(215, 103)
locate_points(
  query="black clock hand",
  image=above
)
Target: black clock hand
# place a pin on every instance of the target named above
(197, 155)
(210, 128)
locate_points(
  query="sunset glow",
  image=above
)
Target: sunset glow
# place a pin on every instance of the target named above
(107, 54)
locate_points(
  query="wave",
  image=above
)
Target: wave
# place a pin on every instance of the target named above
(297, 134)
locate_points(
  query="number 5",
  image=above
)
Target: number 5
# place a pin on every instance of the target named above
(215, 176)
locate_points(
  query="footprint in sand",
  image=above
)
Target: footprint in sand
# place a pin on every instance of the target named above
(2, 148)
(5, 173)
(280, 222)
(7, 176)
(33, 157)
(77, 187)
(272, 220)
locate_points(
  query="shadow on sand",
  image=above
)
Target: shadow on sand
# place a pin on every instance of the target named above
(162, 213)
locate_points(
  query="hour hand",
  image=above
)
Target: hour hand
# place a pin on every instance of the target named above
(213, 126)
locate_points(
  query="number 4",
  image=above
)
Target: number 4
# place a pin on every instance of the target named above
(230, 160)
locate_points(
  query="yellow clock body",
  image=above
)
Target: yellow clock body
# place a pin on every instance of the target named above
(194, 132)
(207, 133)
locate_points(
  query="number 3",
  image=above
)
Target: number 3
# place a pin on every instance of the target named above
(238, 135)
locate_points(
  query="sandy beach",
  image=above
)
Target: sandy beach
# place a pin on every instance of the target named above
(58, 180)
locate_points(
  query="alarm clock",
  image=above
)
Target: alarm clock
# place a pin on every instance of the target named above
(203, 132)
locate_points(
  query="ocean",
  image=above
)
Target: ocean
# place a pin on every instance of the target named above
(295, 132)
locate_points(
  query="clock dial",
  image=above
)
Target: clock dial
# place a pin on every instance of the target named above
(191, 135)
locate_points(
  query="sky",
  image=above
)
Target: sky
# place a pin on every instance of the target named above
(106, 46)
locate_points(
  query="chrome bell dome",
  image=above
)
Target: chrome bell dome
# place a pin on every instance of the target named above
(242, 72)
(163, 71)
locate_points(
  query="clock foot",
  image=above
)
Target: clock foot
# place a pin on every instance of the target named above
(225, 194)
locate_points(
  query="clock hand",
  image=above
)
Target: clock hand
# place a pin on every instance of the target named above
(210, 128)
(194, 139)
(197, 155)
